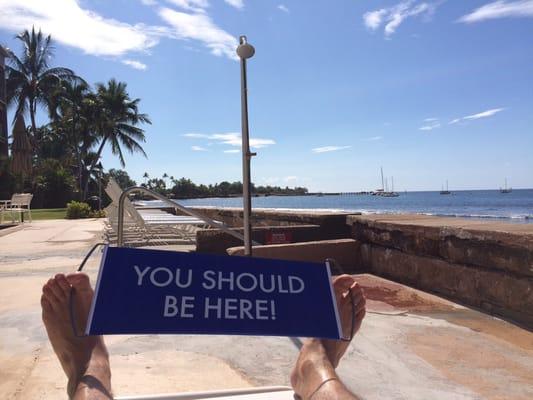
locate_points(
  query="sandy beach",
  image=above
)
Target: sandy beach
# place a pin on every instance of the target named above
(412, 345)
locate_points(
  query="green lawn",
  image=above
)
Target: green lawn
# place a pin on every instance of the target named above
(48, 213)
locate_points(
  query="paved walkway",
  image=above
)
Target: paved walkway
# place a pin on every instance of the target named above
(412, 345)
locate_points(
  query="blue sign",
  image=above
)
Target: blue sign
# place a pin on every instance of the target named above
(165, 292)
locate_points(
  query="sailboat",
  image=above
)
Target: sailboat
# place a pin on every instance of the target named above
(392, 193)
(445, 191)
(379, 192)
(506, 189)
(384, 191)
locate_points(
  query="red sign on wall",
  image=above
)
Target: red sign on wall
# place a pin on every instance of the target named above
(278, 237)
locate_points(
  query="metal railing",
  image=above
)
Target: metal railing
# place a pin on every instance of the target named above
(207, 220)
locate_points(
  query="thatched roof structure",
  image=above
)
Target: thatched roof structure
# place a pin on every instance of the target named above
(21, 149)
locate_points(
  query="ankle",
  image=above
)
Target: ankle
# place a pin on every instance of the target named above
(312, 370)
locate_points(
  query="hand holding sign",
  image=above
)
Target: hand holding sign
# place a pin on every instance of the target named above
(150, 291)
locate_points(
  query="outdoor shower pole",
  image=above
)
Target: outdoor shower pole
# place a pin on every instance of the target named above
(245, 51)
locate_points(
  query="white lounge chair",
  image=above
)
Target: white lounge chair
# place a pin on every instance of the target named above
(149, 225)
(260, 393)
(20, 203)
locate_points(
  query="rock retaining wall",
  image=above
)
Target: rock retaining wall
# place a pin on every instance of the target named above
(489, 266)
(330, 225)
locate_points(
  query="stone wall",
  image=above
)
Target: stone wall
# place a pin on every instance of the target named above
(330, 225)
(489, 266)
(213, 241)
(345, 252)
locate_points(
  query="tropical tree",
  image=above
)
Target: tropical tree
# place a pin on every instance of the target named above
(122, 178)
(29, 79)
(72, 108)
(115, 122)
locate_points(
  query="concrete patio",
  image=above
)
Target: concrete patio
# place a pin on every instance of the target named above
(412, 345)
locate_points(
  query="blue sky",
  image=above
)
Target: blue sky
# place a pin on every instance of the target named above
(430, 90)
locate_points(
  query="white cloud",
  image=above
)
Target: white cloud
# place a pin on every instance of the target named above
(373, 19)
(484, 114)
(290, 178)
(232, 151)
(232, 139)
(74, 26)
(197, 6)
(284, 8)
(135, 64)
(198, 148)
(236, 3)
(373, 138)
(500, 9)
(200, 27)
(81, 28)
(393, 17)
(430, 124)
(327, 149)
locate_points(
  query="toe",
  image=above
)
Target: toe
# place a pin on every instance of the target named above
(53, 284)
(360, 306)
(45, 304)
(63, 284)
(343, 282)
(50, 297)
(79, 280)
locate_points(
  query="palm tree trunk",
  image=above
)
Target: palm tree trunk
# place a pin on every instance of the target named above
(80, 172)
(32, 118)
(88, 177)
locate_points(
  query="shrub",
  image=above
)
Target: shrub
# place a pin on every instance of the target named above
(53, 185)
(97, 214)
(77, 209)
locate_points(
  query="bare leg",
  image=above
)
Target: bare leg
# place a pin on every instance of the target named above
(84, 359)
(314, 376)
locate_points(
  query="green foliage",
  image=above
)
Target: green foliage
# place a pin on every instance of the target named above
(122, 178)
(97, 214)
(157, 185)
(30, 80)
(78, 209)
(185, 188)
(82, 123)
(53, 185)
(48, 213)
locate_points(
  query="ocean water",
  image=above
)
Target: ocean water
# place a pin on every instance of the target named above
(516, 206)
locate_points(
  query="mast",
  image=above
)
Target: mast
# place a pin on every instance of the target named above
(382, 181)
(392, 183)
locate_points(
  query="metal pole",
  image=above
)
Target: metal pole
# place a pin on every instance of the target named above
(245, 51)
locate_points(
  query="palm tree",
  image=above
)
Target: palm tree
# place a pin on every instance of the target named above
(29, 80)
(71, 108)
(115, 122)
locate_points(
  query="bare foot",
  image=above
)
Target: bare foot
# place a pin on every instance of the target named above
(74, 353)
(347, 291)
(312, 369)
(318, 358)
